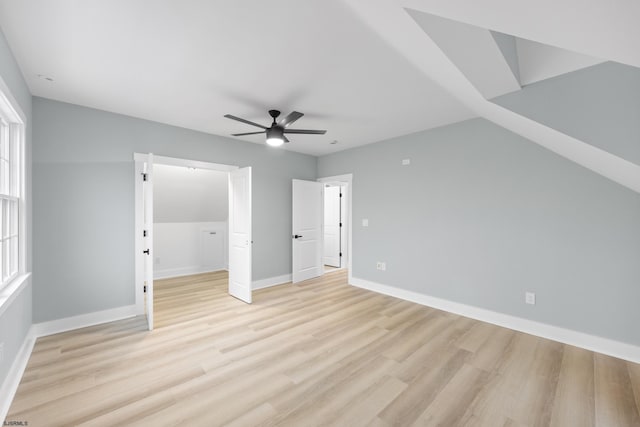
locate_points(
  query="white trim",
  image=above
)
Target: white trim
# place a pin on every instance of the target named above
(83, 320)
(174, 161)
(567, 336)
(270, 281)
(12, 380)
(12, 113)
(138, 238)
(170, 273)
(11, 290)
(348, 180)
(10, 104)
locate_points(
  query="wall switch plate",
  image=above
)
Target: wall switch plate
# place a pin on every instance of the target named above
(365, 222)
(530, 298)
(406, 162)
(381, 265)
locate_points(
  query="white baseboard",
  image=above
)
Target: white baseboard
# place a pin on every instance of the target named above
(270, 281)
(567, 336)
(188, 271)
(184, 271)
(12, 381)
(82, 321)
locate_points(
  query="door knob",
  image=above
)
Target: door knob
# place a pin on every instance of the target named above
(297, 236)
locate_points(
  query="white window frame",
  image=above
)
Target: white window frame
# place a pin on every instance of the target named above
(12, 193)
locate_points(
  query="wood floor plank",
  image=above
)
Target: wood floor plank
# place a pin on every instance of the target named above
(535, 402)
(574, 400)
(614, 400)
(634, 375)
(452, 403)
(315, 353)
(363, 410)
(424, 389)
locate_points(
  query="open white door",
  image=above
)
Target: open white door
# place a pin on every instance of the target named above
(307, 230)
(240, 234)
(332, 226)
(147, 189)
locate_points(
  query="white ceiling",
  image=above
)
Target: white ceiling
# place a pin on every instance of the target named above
(362, 69)
(187, 63)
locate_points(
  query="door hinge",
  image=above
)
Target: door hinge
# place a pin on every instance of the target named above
(145, 289)
(340, 224)
(144, 233)
(340, 253)
(340, 194)
(144, 176)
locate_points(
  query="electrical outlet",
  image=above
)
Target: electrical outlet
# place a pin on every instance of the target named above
(406, 162)
(530, 298)
(365, 222)
(381, 265)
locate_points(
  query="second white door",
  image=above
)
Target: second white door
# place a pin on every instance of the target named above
(332, 226)
(148, 238)
(307, 230)
(240, 234)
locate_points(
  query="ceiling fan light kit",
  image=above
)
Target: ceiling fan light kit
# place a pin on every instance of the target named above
(275, 136)
(276, 133)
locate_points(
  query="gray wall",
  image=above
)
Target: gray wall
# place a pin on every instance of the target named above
(183, 194)
(599, 105)
(15, 321)
(482, 215)
(84, 202)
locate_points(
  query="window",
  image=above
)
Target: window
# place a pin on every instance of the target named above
(11, 197)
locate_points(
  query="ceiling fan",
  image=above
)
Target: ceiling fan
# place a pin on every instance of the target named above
(276, 133)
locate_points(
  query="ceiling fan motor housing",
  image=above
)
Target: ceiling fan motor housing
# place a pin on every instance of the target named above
(275, 132)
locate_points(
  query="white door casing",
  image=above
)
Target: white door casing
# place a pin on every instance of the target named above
(332, 235)
(240, 274)
(344, 230)
(148, 238)
(346, 181)
(141, 160)
(307, 230)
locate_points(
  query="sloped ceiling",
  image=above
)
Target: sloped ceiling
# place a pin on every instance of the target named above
(364, 70)
(392, 19)
(538, 61)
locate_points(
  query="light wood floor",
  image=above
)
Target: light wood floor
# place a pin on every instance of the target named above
(318, 353)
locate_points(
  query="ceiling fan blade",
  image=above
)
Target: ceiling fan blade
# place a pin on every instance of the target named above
(229, 116)
(246, 133)
(285, 139)
(290, 119)
(307, 131)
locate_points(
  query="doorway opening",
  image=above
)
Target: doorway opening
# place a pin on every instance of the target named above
(190, 221)
(188, 232)
(337, 223)
(335, 227)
